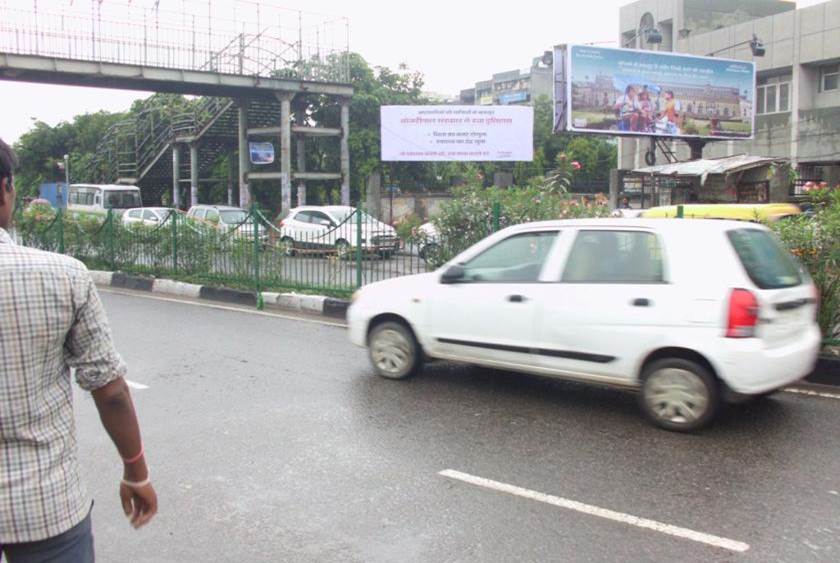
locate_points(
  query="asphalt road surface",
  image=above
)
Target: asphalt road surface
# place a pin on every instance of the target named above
(270, 440)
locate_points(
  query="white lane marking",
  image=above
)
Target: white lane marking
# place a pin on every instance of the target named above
(135, 385)
(223, 308)
(811, 393)
(629, 519)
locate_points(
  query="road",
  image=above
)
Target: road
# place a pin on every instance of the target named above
(270, 440)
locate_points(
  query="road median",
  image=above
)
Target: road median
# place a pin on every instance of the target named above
(294, 302)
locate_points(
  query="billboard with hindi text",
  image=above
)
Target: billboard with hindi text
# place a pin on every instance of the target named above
(457, 133)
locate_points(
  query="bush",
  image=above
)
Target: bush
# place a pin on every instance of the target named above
(468, 216)
(408, 229)
(816, 241)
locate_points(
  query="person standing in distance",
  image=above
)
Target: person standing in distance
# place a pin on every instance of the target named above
(51, 320)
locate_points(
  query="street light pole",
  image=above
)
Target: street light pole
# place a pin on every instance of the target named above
(66, 176)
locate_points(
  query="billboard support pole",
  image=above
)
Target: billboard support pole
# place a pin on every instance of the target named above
(696, 146)
(650, 155)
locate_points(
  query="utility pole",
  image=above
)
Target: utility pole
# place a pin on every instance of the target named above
(66, 179)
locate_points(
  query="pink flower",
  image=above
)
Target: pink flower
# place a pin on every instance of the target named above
(575, 165)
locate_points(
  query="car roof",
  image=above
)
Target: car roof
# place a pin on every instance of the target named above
(738, 211)
(106, 187)
(217, 207)
(661, 225)
(321, 208)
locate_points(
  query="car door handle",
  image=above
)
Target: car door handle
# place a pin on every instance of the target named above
(517, 298)
(642, 302)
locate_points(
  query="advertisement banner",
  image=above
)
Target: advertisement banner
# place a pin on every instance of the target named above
(457, 133)
(629, 92)
(261, 153)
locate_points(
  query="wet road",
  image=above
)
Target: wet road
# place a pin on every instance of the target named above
(270, 440)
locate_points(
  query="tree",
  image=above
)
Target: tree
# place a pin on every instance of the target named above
(42, 148)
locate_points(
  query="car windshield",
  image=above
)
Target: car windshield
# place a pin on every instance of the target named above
(122, 199)
(233, 216)
(767, 263)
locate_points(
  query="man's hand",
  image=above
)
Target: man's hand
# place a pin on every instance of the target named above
(139, 504)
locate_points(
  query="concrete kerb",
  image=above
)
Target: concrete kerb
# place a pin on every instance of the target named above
(297, 302)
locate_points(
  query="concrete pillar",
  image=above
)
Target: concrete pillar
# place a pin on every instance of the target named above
(797, 84)
(193, 173)
(615, 180)
(286, 149)
(176, 176)
(244, 162)
(301, 167)
(345, 152)
(373, 201)
(300, 119)
(230, 179)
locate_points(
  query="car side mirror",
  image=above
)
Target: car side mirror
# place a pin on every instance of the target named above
(326, 223)
(453, 274)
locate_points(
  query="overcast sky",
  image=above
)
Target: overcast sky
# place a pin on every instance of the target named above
(453, 42)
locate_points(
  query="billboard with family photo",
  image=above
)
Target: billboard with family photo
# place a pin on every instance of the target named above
(629, 92)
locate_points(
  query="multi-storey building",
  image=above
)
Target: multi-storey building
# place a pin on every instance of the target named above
(512, 87)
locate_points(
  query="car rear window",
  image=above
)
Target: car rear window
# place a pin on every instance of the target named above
(767, 263)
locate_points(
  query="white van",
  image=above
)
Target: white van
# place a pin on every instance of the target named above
(99, 198)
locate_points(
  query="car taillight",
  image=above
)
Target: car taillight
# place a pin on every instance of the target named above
(743, 314)
(283, 223)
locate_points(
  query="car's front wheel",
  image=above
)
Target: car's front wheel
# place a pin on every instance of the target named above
(394, 351)
(678, 394)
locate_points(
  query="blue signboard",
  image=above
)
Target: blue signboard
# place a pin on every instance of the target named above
(513, 97)
(261, 153)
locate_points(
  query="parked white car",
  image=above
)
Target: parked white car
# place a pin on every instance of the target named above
(335, 228)
(690, 313)
(227, 219)
(148, 216)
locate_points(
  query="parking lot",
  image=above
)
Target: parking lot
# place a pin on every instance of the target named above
(269, 439)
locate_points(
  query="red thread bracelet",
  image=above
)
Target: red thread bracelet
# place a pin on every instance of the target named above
(135, 458)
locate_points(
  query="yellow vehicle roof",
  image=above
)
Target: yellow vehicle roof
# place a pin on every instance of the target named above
(736, 211)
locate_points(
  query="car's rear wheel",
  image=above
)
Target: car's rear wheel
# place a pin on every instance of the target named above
(431, 254)
(678, 394)
(394, 351)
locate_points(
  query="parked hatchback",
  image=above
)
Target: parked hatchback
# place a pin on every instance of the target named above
(227, 219)
(690, 313)
(148, 216)
(334, 227)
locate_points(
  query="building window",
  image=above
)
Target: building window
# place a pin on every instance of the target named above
(773, 98)
(829, 77)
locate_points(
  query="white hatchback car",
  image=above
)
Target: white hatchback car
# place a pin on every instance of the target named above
(148, 216)
(690, 312)
(334, 227)
(227, 219)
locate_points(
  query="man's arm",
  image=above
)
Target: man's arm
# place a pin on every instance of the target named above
(100, 370)
(116, 411)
